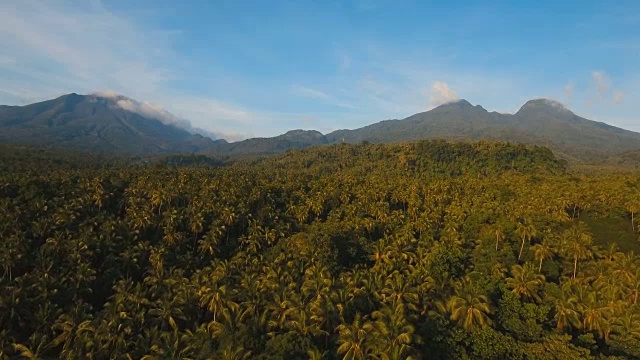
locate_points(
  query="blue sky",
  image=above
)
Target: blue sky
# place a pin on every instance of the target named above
(260, 68)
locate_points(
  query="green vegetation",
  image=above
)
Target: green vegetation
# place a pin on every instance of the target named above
(422, 250)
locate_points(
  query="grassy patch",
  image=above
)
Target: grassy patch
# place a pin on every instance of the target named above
(613, 229)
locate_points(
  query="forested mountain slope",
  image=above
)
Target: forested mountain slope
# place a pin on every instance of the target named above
(114, 124)
(540, 122)
(422, 250)
(96, 123)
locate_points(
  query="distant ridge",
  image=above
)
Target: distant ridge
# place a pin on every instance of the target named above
(539, 121)
(113, 123)
(107, 123)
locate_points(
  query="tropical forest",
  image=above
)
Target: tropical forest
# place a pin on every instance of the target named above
(417, 250)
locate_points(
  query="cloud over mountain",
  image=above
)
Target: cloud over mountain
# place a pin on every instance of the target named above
(152, 111)
(441, 93)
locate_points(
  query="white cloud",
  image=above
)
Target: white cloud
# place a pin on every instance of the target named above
(59, 47)
(151, 110)
(85, 42)
(304, 91)
(618, 96)
(603, 88)
(568, 93)
(52, 47)
(214, 109)
(108, 94)
(312, 93)
(197, 108)
(556, 104)
(224, 120)
(441, 93)
(602, 83)
(344, 61)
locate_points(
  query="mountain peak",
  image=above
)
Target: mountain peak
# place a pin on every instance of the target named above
(460, 104)
(100, 122)
(303, 132)
(545, 105)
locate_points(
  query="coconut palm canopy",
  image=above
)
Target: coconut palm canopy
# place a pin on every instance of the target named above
(417, 250)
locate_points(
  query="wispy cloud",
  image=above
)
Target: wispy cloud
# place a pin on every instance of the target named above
(60, 47)
(568, 93)
(309, 92)
(618, 96)
(52, 47)
(83, 41)
(441, 93)
(344, 61)
(602, 83)
(604, 89)
(224, 120)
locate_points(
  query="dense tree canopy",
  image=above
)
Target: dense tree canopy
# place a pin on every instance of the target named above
(424, 250)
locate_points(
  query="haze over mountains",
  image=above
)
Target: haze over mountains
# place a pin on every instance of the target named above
(114, 123)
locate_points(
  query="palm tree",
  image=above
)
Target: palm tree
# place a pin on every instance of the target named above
(624, 267)
(324, 316)
(633, 206)
(525, 281)
(393, 333)
(398, 290)
(595, 315)
(70, 326)
(498, 270)
(525, 230)
(542, 251)
(40, 345)
(612, 252)
(167, 312)
(214, 300)
(565, 304)
(299, 319)
(578, 246)
(233, 321)
(627, 324)
(315, 354)
(352, 339)
(468, 308)
(235, 352)
(633, 286)
(499, 235)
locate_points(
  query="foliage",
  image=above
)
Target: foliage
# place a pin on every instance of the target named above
(344, 251)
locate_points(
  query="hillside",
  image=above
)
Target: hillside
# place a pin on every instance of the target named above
(103, 124)
(96, 123)
(538, 122)
(294, 139)
(628, 159)
(541, 122)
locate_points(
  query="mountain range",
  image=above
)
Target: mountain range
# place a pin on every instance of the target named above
(99, 123)
(117, 124)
